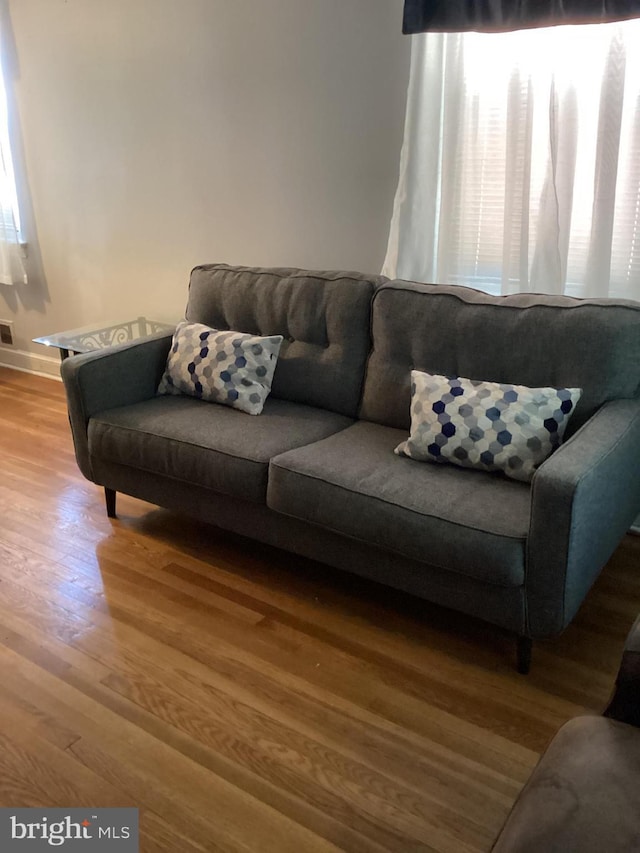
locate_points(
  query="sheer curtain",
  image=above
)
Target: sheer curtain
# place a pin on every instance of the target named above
(520, 169)
(12, 249)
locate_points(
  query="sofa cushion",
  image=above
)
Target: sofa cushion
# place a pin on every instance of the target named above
(475, 524)
(228, 367)
(583, 796)
(322, 316)
(485, 425)
(527, 339)
(206, 444)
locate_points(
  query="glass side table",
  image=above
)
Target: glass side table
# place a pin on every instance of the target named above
(94, 337)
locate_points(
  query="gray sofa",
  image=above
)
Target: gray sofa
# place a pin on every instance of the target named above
(316, 474)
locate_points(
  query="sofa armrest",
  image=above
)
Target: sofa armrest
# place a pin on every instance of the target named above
(584, 498)
(108, 378)
(625, 702)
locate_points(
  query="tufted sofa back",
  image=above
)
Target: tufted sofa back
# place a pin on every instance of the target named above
(324, 318)
(526, 339)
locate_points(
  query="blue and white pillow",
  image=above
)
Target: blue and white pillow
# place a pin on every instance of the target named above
(231, 368)
(487, 425)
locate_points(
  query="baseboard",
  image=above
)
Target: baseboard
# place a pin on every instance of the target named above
(28, 362)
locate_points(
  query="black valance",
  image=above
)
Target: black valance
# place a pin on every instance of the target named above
(422, 16)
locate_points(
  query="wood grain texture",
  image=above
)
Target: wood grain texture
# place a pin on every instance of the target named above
(248, 700)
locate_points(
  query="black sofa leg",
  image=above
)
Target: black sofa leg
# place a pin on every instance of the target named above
(110, 500)
(525, 645)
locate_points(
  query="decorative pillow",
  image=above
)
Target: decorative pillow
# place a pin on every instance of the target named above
(231, 368)
(486, 425)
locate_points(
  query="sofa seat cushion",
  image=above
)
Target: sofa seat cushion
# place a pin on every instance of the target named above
(583, 796)
(207, 444)
(469, 522)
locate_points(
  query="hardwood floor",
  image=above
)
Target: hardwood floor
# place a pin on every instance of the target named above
(248, 700)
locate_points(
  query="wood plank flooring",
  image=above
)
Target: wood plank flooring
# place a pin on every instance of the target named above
(247, 700)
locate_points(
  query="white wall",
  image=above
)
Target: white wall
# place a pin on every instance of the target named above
(159, 134)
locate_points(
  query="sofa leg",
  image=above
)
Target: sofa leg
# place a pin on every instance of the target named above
(110, 500)
(525, 645)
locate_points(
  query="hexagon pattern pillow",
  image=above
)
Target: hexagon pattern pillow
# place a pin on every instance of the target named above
(486, 425)
(231, 368)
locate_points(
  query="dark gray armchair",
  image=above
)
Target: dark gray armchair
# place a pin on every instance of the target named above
(584, 795)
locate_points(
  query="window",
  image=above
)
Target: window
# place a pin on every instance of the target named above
(12, 247)
(521, 164)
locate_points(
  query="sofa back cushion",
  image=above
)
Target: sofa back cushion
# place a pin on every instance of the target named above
(324, 318)
(525, 339)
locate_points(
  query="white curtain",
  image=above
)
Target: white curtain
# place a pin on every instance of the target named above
(520, 168)
(12, 249)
